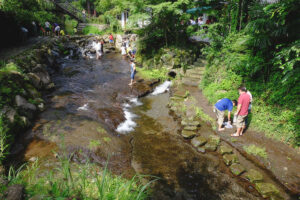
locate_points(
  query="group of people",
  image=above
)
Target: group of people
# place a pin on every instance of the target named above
(244, 105)
(48, 29)
(200, 21)
(128, 49)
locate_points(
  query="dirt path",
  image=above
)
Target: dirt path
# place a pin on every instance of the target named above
(15, 50)
(282, 161)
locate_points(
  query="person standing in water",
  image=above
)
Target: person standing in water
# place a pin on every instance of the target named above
(98, 50)
(132, 71)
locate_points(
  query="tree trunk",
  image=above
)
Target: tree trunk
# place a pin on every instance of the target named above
(88, 6)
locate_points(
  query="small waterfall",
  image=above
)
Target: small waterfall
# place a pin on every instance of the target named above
(162, 88)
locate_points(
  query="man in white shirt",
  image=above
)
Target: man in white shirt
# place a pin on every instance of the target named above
(47, 27)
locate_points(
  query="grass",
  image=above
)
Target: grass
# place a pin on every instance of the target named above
(203, 116)
(76, 181)
(91, 30)
(10, 67)
(256, 151)
(3, 141)
(70, 25)
(161, 74)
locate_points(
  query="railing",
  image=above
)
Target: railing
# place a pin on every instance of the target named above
(70, 9)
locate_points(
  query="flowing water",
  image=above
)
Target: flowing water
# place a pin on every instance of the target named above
(93, 104)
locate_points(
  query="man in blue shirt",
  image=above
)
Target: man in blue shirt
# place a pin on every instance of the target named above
(221, 106)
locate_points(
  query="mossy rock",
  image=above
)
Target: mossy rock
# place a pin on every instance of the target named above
(254, 176)
(215, 139)
(187, 122)
(198, 141)
(211, 146)
(201, 149)
(237, 169)
(225, 149)
(267, 190)
(230, 159)
(188, 134)
(190, 128)
(180, 94)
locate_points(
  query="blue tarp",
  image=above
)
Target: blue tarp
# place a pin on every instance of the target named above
(198, 10)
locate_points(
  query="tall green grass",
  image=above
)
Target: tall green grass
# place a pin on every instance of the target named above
(3, 140)
(76, 181)
(152, 73)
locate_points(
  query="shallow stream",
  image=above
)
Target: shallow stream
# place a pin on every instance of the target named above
(94, 114)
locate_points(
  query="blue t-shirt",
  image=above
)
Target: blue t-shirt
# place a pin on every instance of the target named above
(224, 104)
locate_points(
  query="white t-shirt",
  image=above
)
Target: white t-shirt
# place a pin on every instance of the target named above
(47, 24)
(98, 46)
(250, 96)
(123, 50)
(57, 28)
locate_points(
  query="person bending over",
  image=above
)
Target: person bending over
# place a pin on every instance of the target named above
(221, 106)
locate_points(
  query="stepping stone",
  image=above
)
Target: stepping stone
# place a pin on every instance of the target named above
(187, 122)
(215, 139)
(237, 169)
(198, 141)
(225, 149)
(267, 190)
(180, 94)
(230, 159)
(190, 128)
(254, 176)
(188, 134)
(201, 149)
(211, 146)
(176, 99)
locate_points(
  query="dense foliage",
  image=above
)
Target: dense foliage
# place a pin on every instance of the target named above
(262, 53)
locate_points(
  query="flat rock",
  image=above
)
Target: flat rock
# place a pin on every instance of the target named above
(188, 134)
(198, 141)
(215, 139)
(225, 149)
(230, 159)
(211, 146)
(267, 189)
(22, 102)
(187, 122)
(237, 169)
(180, 93)
(254, 176)
(190, 128)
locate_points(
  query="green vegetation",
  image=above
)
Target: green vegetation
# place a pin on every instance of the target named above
(4, 145)
(256, 151)
(91, 30)
(70, 25)
(205, 117)
(161, 74)
(262, 53)
(76, 181)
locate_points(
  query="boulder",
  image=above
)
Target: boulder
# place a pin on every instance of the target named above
(23, 104)
(35, 80)
(230, 159)
(14, 192)
(188, 134)
(254, 176)
(267, 189)
(10, 114)
(198, 141)
(237, 169)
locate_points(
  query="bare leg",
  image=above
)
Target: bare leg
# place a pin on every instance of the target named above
(220, 128)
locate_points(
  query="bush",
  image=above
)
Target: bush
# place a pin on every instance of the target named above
(91, 30)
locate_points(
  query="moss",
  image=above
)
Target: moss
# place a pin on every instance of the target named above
(256, 151)
(153, 73)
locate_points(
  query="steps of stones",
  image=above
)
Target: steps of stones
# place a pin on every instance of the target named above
(191, 81)
(81, 26)
(194, 72)
(212, 143)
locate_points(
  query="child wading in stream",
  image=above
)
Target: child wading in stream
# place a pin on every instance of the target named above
(132, 71)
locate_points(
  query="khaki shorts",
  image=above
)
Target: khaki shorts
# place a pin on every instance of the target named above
(240, 121)
(220, 116)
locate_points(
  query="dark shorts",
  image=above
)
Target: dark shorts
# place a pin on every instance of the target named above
(48, 29)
